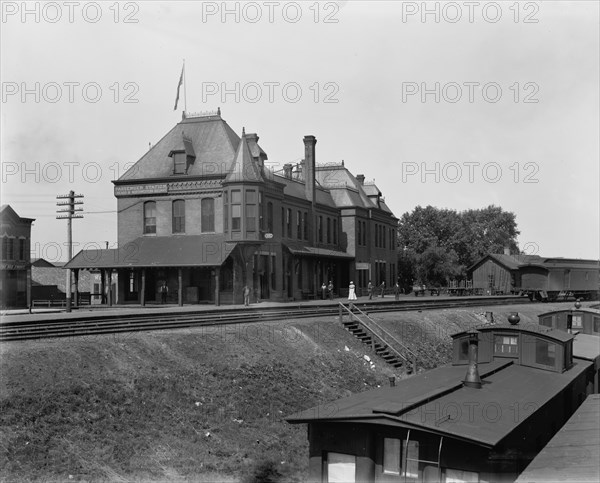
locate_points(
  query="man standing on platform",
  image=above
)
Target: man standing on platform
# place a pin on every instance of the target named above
(324, 290)
(330, 289)
(370, 290)
(382, 287)
(164, 290)
(246, 295)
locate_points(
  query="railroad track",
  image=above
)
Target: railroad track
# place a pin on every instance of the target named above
(114, 324)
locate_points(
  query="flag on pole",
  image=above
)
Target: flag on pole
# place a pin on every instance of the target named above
(179, 87)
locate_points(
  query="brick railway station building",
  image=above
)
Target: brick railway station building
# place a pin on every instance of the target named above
(201, 212)
(15, 265)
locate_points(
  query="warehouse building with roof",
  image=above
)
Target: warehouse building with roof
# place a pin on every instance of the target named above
(203, 214)
(542, 278)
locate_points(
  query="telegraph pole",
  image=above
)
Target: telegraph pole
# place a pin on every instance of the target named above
(70, 214)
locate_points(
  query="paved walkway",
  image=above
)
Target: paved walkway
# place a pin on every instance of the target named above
(23, 315)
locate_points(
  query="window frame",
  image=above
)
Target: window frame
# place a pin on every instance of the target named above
(147, 225)
(178, 220)
(207, 219)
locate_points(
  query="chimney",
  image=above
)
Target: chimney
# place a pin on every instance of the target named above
(360, 178)
(506, 251)
(310, 165)
(472, 378)
(287, 170)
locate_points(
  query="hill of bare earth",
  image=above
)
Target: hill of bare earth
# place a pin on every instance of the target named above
(203, 404)
(428, 333)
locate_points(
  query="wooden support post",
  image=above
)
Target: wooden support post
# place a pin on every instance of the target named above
(217, 285)
(76, 280)
(109, 300)
(102, 286)
(341, 314)
(143, 288)
(180, 287)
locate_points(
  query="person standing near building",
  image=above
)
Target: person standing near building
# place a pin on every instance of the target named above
(370, 290)
(330, 290)
(351, 292)
(246, 295)
(324, 290)
(382, 287)
(164, 290)
(397, 291)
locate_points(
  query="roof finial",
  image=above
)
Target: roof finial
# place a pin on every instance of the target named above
(218, 111)
(243, 131)
(342, 162)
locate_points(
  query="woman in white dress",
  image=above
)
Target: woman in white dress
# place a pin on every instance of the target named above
(351, 292)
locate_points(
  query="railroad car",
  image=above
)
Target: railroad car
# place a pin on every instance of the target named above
(542, 279)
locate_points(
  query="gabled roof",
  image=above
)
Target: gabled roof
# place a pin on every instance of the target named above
(516, 262)
(212, 140)
(346, 190)
(244, 168)
(415, 402)
(7, 212)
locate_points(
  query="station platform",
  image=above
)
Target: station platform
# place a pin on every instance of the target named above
(95, 311)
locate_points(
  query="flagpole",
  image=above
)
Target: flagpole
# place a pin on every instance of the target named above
(184, 89)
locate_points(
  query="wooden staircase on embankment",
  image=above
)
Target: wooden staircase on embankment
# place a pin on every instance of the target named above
(381, 341)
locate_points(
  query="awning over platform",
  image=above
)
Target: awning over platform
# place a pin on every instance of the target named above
(307, 251)
(159, 251)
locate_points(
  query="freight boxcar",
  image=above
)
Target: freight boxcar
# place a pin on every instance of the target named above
(539, 277)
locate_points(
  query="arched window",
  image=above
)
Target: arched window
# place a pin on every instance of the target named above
(208, 215)
(150, 217)
(179, 216)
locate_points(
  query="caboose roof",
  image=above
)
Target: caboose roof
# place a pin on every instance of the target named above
(415, 402)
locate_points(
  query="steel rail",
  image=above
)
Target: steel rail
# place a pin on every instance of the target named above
(115, 323)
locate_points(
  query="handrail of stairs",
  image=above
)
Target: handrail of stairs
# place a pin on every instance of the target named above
(373, 327)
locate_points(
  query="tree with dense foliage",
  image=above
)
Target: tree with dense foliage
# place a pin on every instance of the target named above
(438, 244)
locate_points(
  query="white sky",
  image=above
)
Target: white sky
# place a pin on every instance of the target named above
(547, 151)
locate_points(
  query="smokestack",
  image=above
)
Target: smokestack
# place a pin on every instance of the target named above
(506, 251)
(310, 165)
(472, 378)
(309, 182)
(360, 178)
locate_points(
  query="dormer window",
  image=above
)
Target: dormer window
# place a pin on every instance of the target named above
(179, 163)
(183, 156)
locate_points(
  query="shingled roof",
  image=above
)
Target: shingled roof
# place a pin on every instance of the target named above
(210, 138)
(244, 168)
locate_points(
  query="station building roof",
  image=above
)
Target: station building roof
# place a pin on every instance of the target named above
(214, 145)
(436, 401)
(160, 251)
(573, 454)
